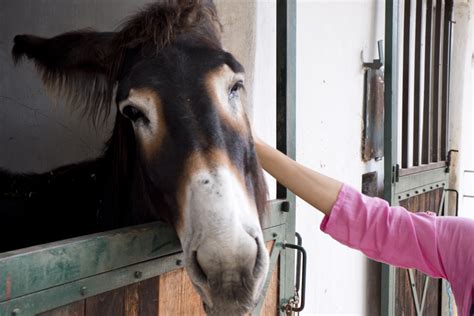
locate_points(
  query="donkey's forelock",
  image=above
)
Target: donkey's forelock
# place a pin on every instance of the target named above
(160, 23)
(82, 67)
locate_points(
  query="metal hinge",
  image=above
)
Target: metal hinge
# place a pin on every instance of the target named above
(377, 63)
(448, 159)
(395, 173)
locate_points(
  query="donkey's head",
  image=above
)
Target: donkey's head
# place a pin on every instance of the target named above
(182, 101)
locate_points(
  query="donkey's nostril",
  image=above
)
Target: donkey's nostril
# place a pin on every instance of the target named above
(260, 258)
(199, 270)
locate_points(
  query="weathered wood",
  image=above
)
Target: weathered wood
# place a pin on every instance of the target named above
(33, 269)
(106, 304)
(74, 309)
(142, 298)
(405, 305)
(271, 304)
(149, 296)
(131, 300)
(177, 295)
(71, 292)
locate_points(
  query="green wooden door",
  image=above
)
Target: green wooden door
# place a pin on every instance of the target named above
(418, 42)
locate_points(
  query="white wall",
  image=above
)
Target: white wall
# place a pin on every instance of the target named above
(264, 96)
(331, 36)
(461, 132)
(330, 81)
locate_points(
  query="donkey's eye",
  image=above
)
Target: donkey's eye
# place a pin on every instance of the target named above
(234, 91)
(132, 113)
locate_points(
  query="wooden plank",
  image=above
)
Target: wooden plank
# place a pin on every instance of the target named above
(30, 270)
(33, 269)
(142, 298)
(148, 291)
(433, 298)
(192, 303)
(131, 300)
(404, 304)
(74, 309)
(67, 293)
(177, 295)
(106, 304)
(271, 303)
(422, 203)
(70, 292)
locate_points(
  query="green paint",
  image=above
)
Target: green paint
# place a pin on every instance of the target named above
(42, 278)
(34, 269)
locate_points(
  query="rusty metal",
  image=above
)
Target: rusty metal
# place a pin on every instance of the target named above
(373, 133)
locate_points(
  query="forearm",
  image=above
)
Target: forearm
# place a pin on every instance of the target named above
(318, 190)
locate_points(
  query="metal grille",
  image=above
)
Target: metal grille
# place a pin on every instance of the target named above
(425, 29)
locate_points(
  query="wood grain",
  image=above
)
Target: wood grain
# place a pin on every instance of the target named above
(106, 304)
(178, 296)
(404, 304)
(73, 309)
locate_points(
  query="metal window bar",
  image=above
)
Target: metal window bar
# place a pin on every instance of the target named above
(427, 81)
(425, 55)
(417, 84)
(445, 80)
(435, 87)
(406, 82)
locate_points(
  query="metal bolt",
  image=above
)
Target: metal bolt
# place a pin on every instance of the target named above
(83, 290)
(138, 274)
(16, 312)
(178, 262)
(285, 206)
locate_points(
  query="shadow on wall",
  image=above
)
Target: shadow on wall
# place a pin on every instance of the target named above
(37, 136)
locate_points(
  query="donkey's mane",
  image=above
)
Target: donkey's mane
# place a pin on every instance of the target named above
(160, 23)
(90, 86)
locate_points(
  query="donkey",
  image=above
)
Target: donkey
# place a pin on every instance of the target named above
(181, 148)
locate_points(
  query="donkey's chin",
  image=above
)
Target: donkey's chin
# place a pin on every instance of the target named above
(230, 308)
(237, 298)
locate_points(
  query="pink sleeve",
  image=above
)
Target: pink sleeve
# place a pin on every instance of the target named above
(387, 234)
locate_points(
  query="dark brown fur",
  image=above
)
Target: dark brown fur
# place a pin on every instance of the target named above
(86, 79)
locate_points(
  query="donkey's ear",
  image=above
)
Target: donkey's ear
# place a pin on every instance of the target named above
(73, 65)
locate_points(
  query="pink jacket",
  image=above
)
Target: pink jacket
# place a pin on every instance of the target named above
(442, 247)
